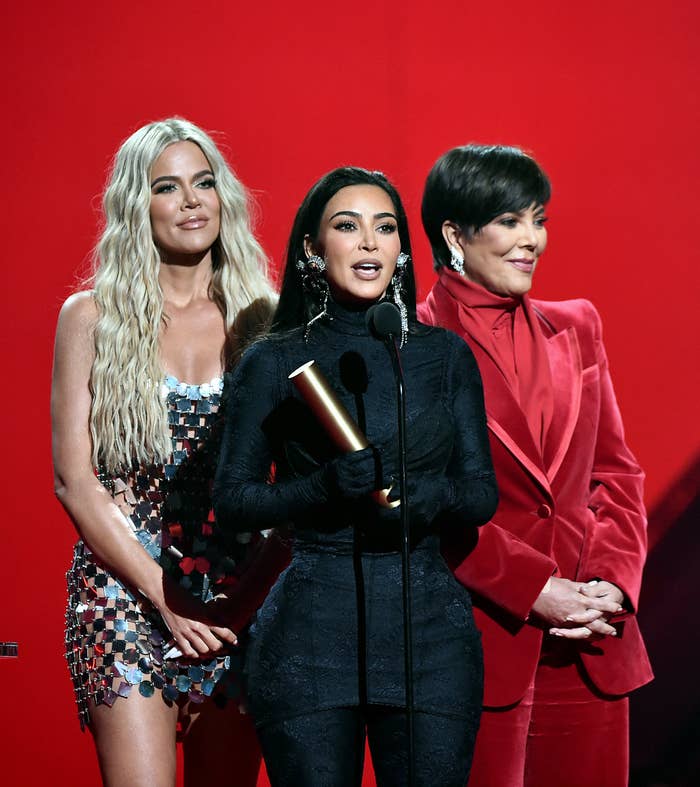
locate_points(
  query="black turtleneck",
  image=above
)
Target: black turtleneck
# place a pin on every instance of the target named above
(330, 632)
(267, 423)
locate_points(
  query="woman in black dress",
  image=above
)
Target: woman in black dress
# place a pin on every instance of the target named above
(325, 664)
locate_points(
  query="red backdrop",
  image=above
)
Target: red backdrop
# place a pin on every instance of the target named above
(605, 96)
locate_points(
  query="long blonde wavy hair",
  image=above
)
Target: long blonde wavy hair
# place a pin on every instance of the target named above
(128, 419)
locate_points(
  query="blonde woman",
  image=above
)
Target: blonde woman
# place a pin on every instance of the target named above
(138, 379)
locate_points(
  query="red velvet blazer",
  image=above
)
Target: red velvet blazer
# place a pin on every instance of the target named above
(576, 511)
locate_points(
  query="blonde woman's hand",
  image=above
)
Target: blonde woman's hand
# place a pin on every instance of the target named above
(195, 634)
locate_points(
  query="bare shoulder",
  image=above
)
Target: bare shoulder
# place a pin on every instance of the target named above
(75, 331)
(79, 306)
(78, 313)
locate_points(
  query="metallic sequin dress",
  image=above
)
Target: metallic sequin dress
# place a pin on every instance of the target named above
(115, 640)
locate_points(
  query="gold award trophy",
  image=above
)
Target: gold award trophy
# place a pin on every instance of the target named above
(333, 416)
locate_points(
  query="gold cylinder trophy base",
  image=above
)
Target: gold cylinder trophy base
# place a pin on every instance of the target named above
(335, 419)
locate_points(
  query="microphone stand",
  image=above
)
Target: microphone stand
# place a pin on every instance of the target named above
(393, 347)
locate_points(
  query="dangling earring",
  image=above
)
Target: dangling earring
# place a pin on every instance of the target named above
(316, 263)
(456, 261)
(315, 286)
(397, 285)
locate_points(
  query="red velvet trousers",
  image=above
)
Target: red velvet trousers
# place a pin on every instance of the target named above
(563, 733)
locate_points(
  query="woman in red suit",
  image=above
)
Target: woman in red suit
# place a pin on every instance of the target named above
(555, 575)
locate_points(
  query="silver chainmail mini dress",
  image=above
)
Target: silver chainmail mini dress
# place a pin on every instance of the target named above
(116, 642)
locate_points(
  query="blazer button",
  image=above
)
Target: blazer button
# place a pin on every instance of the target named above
(544, 511)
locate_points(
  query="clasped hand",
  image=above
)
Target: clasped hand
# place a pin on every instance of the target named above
(356, 473)
(197, 628)
(579, 610)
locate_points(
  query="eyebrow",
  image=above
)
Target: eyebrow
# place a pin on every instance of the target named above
(175, 177)
(358, 215)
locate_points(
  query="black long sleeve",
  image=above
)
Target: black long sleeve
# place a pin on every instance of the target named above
(244, 499)
(474, 495)
(449, 464)
(330, 632)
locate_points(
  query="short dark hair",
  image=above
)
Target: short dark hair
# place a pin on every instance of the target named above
(295, 308)
(472, 184)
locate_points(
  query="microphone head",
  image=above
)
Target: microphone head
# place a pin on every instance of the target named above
(384, 320)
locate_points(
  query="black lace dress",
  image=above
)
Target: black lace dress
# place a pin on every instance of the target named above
(330, 633)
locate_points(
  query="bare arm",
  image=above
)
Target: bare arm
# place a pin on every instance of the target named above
(96, 517)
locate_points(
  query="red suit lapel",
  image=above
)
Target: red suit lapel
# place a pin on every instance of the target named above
(505, 417)
(565, 367)
(503, 414)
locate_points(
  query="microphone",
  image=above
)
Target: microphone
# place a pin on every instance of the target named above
(384, 321)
